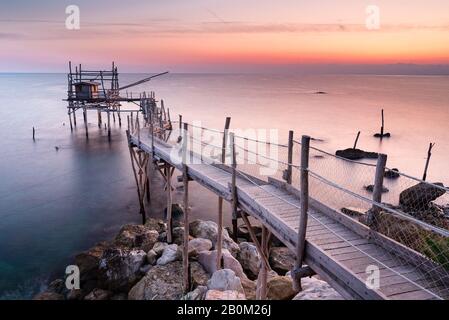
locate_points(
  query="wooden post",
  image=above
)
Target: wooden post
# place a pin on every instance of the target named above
(180, 122)
(127, 118)
(132, 122)
(220, 199)
(185, 179)
(382, 127)
(377, 191)
(70, 120)
(109, 125)
(290, 157)
(263, 268)
(169, 204)
(429, 155)
(99, 118)
(304, 203)
(119, 116)
(234, 188)
(85, 122)
(74, 117)
(356, 140)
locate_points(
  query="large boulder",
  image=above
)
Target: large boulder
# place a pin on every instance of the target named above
(420, 195)
(159, 247)
(279, 287)
(209, 230)
(224, 295)
(316, 289)
(250, 259)
(198, 245)
(136, 236)
(120, 268)
(208, 259)
(156, 224)
(162, 282)
(169, 254)
(281, 260)
(225, 279)
(88, 263)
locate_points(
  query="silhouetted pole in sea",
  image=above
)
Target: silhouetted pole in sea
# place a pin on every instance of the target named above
(429, 155)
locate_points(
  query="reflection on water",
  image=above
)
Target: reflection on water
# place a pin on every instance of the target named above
(54, 203)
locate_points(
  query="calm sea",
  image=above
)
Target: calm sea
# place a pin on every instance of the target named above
(55, 203)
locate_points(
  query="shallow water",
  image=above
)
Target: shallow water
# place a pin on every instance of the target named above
(55, 203)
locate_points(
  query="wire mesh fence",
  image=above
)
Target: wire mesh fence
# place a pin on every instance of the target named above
(411, 212)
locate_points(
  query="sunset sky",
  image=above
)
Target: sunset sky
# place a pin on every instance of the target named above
(220, 36)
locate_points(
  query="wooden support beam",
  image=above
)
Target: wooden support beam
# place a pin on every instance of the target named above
(99, 118)
(186, 276)
(74, 117)
(234, 188)
(304, 203)
(169, 204)
(262, 290)
(109, 124)
(85, 122)
(70, 120)
(255, 241)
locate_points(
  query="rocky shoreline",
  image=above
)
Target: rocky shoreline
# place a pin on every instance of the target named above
(139, 264)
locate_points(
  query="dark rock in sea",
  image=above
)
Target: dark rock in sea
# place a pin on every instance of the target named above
(370, 188)
(385, 135)
(320, 92)
(46, 295)
(356, 154)
(392, 173)
(419, 196)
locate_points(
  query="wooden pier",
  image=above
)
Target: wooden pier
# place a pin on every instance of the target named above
(327, 242)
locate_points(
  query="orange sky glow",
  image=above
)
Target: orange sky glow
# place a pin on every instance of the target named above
(217, 35)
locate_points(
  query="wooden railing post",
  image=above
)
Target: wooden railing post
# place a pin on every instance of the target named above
(304, 203)
(220, 199)
(234, 187)
(185, 179)
(377, 191)
(290, 157)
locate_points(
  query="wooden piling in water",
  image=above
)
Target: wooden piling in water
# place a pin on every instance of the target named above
(356, 140)
(429, 155)
(34, 132)
(234, 187)
(85, 122)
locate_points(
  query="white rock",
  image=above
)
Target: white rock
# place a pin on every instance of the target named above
(316, 289)
(224, 295)
(225, 279)
(208, 259)
(170, 254)
(209, 230)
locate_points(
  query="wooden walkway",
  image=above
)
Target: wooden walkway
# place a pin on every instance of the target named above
(338, 248)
